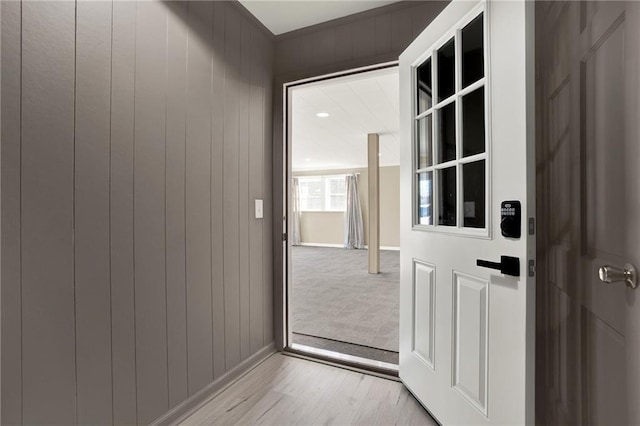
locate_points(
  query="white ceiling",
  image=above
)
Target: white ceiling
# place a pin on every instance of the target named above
(357, 105)
(287, 15)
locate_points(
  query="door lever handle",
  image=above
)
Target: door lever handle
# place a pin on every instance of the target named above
(508, 265)
(611, 274)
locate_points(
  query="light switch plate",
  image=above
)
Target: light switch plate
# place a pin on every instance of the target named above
(259, 212)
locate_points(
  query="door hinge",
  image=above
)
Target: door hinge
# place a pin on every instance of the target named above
(532, 226)
(284, 236)
(532, 268)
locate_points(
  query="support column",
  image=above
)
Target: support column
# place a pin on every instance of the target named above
(374, 203)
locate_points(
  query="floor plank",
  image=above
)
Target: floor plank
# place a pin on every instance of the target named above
(285, 390)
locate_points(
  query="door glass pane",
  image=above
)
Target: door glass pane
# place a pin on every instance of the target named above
(474, 194)
(424, 86)
(447, 133)
(472, 52)
(425, 189)
(424, 142)
(447, 201)
(473, 123)
(446, 70)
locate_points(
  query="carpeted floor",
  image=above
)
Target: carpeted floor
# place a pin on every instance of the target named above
(334, 297)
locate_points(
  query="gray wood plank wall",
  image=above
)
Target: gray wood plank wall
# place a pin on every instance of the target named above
(135, 138)
(368, 38)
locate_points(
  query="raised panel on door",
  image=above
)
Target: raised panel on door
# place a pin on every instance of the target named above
(470, 341)
(604, 218)
(424, 312)
(603, 358)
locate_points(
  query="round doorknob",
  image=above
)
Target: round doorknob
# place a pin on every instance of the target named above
(611, 274)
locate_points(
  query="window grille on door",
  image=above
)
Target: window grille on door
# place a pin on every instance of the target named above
(451, 133)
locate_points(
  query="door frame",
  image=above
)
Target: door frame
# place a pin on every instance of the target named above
(285, 332)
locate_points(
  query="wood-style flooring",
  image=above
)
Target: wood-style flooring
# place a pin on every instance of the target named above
(284, 390)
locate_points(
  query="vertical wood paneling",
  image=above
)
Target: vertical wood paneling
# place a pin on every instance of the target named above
(134, 272)
(231, 188)
(122, 267)
(344, 43)
(256, 182)
(198, 191)
(11, 278)
(149, 210)
(423, 15)
(267, 84)
(364, 37)
(243, 169)
(91, 236)
(383, 34)
(49, 376)
(400, 30)
(217, 189)
(175, 187)
(323, 48)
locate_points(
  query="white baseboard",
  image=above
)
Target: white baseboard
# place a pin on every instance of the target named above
(182, 411)
(322, 245)
(392, 248)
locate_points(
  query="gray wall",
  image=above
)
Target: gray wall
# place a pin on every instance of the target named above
(135, 137)
(367, 38)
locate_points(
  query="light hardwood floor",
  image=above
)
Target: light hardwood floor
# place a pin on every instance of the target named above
(285, 390)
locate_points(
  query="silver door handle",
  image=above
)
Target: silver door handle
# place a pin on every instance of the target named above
(611, 274)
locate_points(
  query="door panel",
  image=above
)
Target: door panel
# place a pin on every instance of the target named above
(423, 312)
(588, 120)
(467, 332)
(470, 339)
(604, 350)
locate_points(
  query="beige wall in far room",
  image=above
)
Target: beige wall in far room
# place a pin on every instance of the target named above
(390, 206)
(328, 227)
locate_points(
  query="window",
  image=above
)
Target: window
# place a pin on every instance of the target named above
(450, 139)
(323, 193)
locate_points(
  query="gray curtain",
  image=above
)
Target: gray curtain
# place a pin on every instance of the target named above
(353, 234)
(295, 207)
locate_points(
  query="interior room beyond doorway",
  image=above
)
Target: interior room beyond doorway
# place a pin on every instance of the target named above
(341, 188)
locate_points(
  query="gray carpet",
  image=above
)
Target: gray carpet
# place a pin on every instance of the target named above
(334, 297)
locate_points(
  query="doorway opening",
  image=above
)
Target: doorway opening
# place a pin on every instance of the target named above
(342, 267)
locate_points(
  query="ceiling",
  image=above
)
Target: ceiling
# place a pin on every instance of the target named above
(357, 105)
(287, 15)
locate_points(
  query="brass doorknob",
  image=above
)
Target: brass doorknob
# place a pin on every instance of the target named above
(611, 274)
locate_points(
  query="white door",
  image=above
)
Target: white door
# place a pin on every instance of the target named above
(466, 99)
(589, 118)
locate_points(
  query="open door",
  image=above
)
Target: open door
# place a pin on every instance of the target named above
(467, 295)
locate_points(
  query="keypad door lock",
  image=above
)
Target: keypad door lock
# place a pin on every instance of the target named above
(511, 219)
